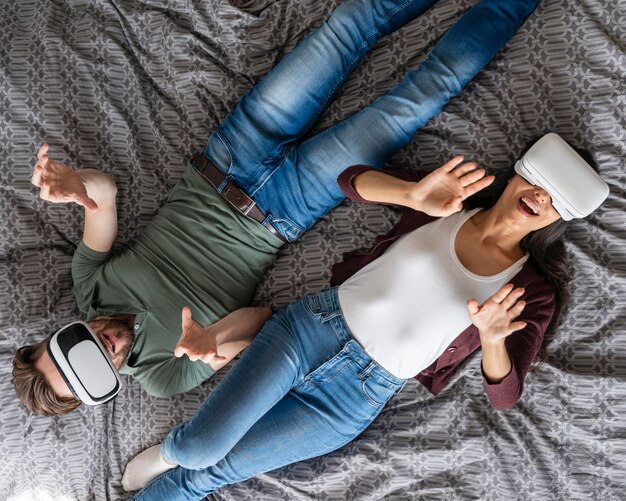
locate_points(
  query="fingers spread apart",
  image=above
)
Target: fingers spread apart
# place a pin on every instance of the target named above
(479, 185)
(450, 165)
(466, 168)
(518, 326)
(471, 177)
(517, 309)
(512, 297)
(501, 295)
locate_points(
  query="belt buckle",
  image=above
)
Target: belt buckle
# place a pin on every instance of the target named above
(236, 196)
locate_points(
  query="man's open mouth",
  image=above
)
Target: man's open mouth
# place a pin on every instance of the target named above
(528, 206)
(109, 342)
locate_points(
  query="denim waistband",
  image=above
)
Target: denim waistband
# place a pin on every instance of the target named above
(326, 304)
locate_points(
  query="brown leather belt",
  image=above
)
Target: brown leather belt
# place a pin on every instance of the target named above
(232, 193)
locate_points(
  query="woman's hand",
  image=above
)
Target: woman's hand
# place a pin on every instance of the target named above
(495, 318)
(197, 342)
(59, 183)
(442, 192)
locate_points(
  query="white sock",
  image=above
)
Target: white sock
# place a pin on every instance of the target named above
(144, 467)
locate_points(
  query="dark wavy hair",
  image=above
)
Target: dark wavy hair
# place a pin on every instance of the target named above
(545, 247)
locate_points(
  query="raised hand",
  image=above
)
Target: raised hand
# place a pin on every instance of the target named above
(59, 183)
(442, 192)
(495, 318)
(197, 342)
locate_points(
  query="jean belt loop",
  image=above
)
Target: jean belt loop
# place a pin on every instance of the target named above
(329, 316)
(225, 182)
(364, 374)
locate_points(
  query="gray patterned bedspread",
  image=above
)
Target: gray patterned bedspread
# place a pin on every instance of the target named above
(135, 87)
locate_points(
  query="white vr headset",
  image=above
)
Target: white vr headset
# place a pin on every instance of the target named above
(552, 164)
(84, 364)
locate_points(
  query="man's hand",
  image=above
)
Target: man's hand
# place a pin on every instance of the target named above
(442, 192)
(197, 342)
(59, 183)
(495, 317)
(91, 188)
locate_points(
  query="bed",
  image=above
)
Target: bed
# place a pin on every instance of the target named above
(135, 87)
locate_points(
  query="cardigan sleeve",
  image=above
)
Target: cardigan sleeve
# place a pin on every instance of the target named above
(410, 220)
(355, 260)
(346, 178)
(522, 346)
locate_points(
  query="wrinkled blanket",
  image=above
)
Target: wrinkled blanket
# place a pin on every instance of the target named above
(135, 87)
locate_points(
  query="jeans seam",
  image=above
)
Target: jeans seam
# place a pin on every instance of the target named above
(229, 148)
(337, 445)
(308, 308)
(156, 479)
(308, 377)
(395, 11)
(382, 379)
(338, 325)
(335, 374)
(269, 175)
(376, 28)
(339, 82)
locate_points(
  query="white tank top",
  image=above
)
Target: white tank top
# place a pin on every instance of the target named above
(407, 306)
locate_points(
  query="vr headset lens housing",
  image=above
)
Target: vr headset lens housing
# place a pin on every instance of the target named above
(576, 189)
(84, 364)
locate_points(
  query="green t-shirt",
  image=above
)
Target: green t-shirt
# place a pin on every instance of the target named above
(197, 252)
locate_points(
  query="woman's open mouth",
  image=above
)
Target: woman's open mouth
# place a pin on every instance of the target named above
(528, 206)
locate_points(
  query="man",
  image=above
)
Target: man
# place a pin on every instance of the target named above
(256, 185)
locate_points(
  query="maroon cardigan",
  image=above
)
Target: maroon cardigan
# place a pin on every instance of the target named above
(522, 346)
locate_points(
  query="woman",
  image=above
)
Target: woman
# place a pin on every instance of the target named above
(323, 368)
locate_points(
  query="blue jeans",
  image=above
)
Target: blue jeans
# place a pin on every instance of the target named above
(261, 145)
(303, 388)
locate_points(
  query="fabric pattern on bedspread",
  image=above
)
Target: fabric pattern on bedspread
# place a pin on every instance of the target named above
(135, 87)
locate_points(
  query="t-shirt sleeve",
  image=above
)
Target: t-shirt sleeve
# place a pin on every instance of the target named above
(86, 268)
(173, 376)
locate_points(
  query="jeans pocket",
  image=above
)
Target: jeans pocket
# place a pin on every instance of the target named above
(219, 151)
(375, 392)
(287, 228)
